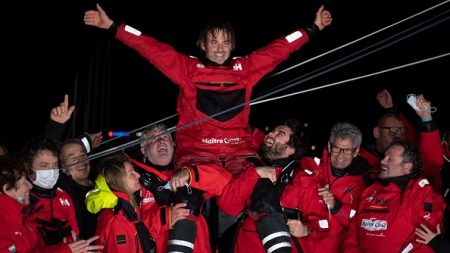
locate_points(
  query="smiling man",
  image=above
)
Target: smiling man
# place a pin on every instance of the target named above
(392, 208)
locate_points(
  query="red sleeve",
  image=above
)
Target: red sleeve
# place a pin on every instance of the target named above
(161, 55)
(267, 58)
(209, 178)
(430, 208)
(71, 215)
(350, 243)
(314, 211)
(411, 135)
(349, 198)
(431, 153)
(238, 191)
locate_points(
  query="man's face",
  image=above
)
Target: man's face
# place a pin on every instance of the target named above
(392, 164)
(392, 128)
(218, 48)
(75, 154)
(159, 147)
(275, 143)
(342, 153)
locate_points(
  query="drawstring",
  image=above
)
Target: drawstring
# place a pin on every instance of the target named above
(189, 189)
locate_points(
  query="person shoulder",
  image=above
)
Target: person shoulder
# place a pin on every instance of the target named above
(421, 183)
(63, 197)
(309, 165)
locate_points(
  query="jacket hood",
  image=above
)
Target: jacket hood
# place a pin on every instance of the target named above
(100, 197)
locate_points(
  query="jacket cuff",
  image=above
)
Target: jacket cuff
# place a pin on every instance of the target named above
(436, 241)
(428, 126)
(394, 109)
(337, 207)
(312, 30)
(85, 138)
(113, 29)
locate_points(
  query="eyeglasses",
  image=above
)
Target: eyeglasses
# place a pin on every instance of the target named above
(396, 130)
(346, 151)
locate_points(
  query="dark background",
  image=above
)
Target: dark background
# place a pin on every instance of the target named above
(48, 52)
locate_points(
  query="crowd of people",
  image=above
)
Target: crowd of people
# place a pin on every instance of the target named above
(220, 186)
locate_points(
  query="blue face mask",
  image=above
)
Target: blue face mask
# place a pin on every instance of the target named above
(46, 178)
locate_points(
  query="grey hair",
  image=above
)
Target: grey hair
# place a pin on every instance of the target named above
(345, 130)
(158, 127)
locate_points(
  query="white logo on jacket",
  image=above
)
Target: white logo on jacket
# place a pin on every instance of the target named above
(12, 248)
(147, 200)
(64, 202)
(230, 140)
(374, 225)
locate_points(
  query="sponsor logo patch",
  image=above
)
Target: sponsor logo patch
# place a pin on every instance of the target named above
(374, 225)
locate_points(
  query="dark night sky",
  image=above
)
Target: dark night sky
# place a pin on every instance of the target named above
(51, 52)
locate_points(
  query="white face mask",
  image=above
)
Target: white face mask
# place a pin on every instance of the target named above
(46, 178)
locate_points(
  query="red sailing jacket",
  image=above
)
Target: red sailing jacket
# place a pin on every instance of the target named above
(17, 234)
(209, 178)
(58, 207)
(301, 195)
(431, 153)
(116, 232)
(386, 218)
(207, 90)
(347, 190)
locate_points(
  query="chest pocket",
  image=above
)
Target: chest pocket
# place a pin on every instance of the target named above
(377, 206)
(211, 102)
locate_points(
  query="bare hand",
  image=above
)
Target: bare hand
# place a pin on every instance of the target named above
(178, 212)
(96, 139)
(83, 246)
(179, 179)
(327, 196)
(424, 107)
(385, 99)
(267, 172)
(97, 18)
(323, 18)
(297, 228)
(62, 112)
(425, 234)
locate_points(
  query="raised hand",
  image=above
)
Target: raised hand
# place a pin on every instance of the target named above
(62, 112)
(323, 18)
(96, 139)
(97, 18)
(385, 99)
(424, 107)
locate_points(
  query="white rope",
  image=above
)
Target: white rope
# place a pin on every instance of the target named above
(352, 79)
(172, 129)
(359, 39)
(296, 82)
(312, 59)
